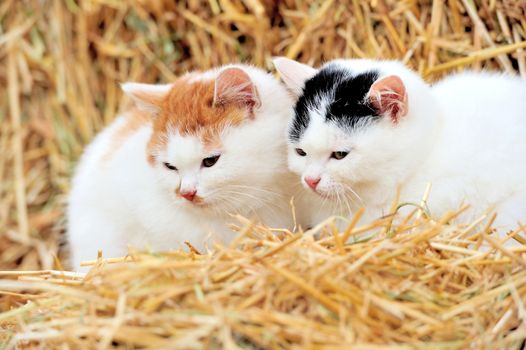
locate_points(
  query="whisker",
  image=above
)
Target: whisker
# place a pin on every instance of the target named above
(266, 203)
(351, 190)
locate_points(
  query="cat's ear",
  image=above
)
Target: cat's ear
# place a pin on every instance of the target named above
(389, 96)
(147, 97)
(294, 74)
(234, 86)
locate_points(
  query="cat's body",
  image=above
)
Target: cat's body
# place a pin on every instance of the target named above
(150, 179)
(480, 154)
(380, 126)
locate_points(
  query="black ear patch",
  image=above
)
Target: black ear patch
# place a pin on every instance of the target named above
(349, 104)
(345, 94)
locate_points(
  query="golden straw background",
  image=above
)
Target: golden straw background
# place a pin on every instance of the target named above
(61, 63)
(424, 284)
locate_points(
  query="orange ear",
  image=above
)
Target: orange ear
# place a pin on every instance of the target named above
(234, 86)
(388, 96)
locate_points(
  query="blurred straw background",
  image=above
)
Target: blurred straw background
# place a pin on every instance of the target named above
(61, 62)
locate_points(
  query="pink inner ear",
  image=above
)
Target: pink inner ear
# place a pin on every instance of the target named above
(233, 85)
(388, 96)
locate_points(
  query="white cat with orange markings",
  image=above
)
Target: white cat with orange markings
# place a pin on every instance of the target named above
(174, 168)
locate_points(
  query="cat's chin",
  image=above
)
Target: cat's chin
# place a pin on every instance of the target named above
(198, 202)
(207, 205)
(201, 204)
(324, 195)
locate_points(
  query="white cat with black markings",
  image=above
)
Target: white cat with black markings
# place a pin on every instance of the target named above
(364, 127)
(174, 168)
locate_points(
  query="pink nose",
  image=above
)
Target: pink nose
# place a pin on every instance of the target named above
(312, 182)
(189, 195)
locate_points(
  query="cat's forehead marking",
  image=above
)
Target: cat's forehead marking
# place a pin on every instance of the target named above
(340, 94)
(188, 110)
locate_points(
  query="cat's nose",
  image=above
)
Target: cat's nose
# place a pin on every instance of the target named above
(312, 182)
(188, 195)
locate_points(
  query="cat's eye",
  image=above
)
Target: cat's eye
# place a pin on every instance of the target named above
(210, 161)
(169, 166)
(339, 155)
(301, 152)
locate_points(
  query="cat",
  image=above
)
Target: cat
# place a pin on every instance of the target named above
(181, 161)
(363, 128)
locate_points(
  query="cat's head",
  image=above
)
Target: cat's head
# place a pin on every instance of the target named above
(355, 123)
(214, 134)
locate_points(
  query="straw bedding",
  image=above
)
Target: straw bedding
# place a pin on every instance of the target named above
(421, 284)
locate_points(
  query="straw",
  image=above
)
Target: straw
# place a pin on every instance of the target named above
(421, 288)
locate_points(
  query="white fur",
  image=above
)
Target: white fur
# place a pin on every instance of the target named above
(465, 136)
(293, 73)
(124, 201)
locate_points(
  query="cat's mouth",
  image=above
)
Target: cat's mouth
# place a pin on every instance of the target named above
(321, 193)
(325, 195)
(199, 202)
(330, 194)
(203, 205)
(194, 201)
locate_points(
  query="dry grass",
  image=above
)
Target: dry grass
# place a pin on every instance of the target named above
(60, 65)
(422, 285)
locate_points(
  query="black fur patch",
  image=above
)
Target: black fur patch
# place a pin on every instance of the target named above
(347, 106)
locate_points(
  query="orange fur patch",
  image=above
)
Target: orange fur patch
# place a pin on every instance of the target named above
(188, 108)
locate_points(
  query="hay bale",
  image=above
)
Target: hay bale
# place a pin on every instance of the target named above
(422, 284)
